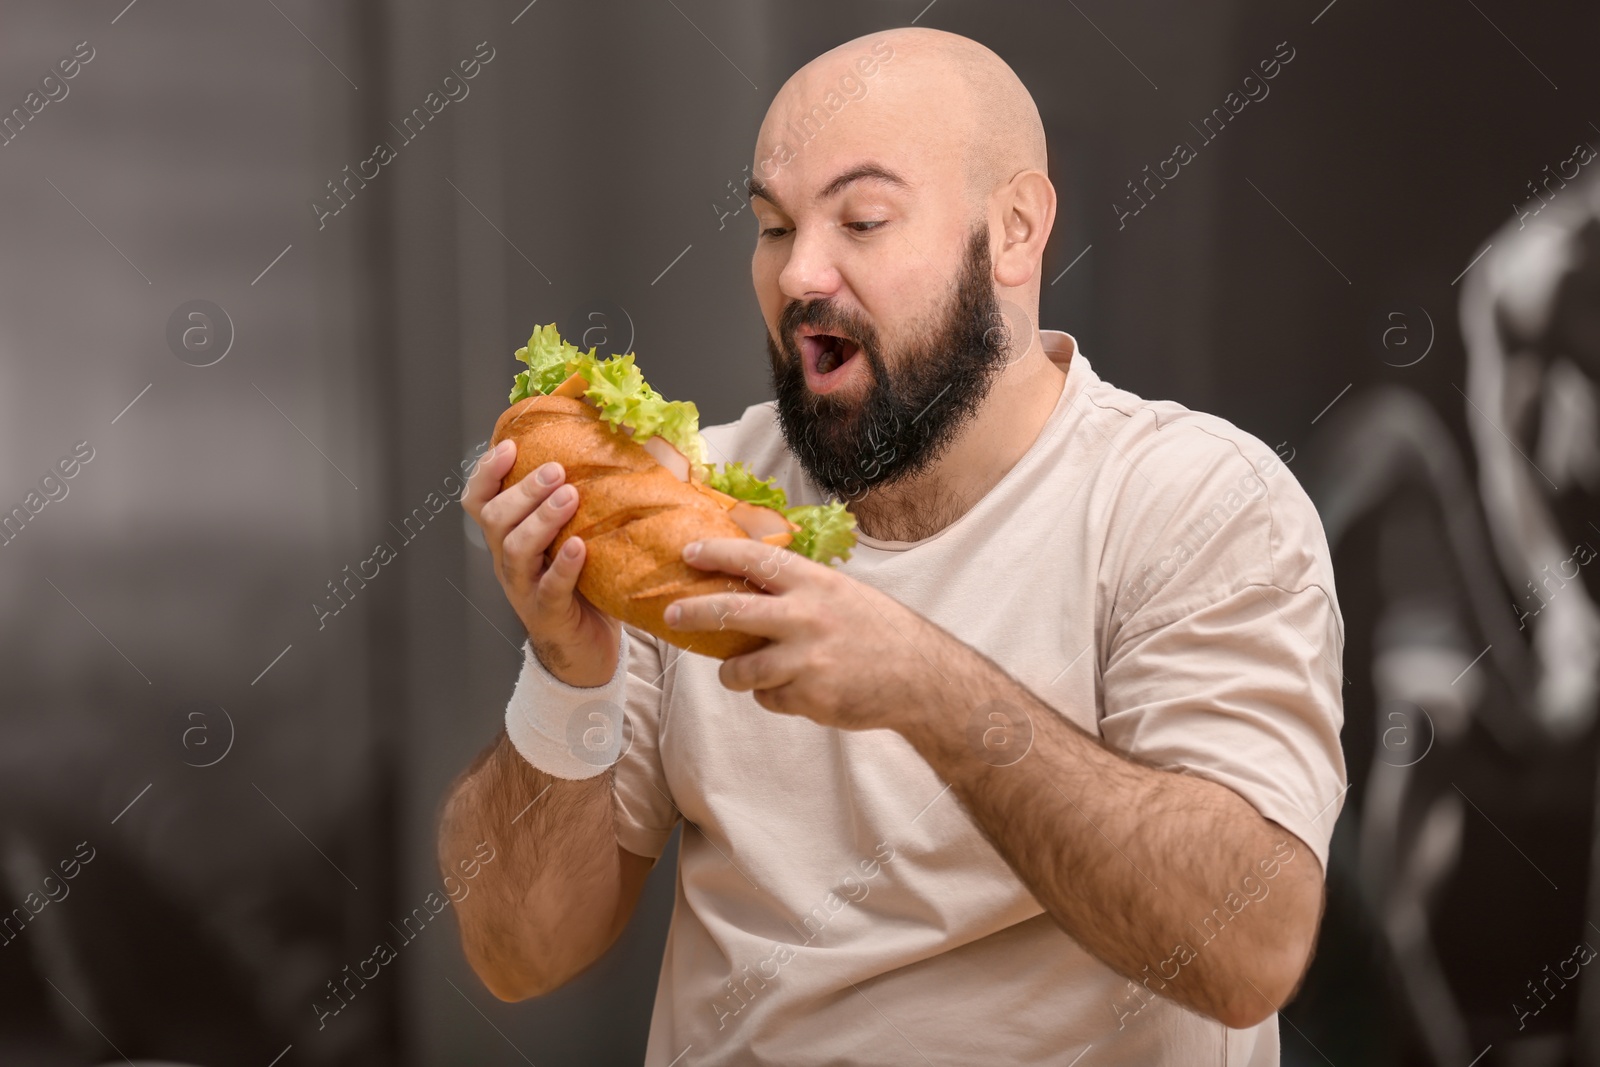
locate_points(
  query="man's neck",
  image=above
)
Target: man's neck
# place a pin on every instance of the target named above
(1010, 420)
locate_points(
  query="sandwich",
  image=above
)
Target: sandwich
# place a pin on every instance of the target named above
(645, 489)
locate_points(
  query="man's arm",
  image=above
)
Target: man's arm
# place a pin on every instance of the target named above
(560, 890)
(565, 888)
(1131, 860)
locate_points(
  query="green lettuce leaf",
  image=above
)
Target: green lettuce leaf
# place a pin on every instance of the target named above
(737, 481)
(615, 386)
(550, 361)
(625, 400)
(826, 531)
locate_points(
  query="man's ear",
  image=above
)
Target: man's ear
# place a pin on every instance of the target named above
(1027, 206)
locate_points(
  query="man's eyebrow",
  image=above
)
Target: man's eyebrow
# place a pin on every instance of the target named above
(866, 171)
(754, 187)
(859, 173)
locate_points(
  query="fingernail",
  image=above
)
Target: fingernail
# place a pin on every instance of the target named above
(691, 550)
(548, 474)
(563, 496)
(570, 549)
(672, 614)
(504, 446)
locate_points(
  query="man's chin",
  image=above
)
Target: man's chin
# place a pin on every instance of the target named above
(836, 415)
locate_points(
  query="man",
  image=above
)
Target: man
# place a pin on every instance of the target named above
(1047, 769)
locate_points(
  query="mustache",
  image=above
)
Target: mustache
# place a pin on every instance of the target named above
(827, 316)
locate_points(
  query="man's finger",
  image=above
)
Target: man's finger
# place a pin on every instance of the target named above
(750, 613)
(769, 668)
(777, 700)
(766, 567)
(511, 507)
(561, 577)
(484, 482)
(528, 540)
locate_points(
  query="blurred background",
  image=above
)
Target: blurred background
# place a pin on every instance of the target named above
(240, 348)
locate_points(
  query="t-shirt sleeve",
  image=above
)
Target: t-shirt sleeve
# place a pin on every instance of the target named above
(645, 813)
(1225, 656)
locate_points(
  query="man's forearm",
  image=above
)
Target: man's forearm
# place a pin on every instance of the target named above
(547, 907)
(1162, 876)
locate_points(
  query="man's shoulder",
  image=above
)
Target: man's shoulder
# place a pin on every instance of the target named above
(1171, 435)
(1193, 479)
(1162, 450)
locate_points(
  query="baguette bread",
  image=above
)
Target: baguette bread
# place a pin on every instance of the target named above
(634, 515)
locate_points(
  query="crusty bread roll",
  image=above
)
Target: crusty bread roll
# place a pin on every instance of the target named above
(634, 516)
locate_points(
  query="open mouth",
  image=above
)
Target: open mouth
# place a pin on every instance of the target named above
(826, 357)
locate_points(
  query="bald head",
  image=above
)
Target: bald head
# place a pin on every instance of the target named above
(957, 99)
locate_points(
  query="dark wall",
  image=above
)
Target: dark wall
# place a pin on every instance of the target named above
(142, 610)
(588, 177)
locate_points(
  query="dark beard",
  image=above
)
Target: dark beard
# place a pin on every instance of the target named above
(919, 398)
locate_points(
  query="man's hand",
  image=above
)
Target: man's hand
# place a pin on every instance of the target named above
(842, 654)
(574, 640)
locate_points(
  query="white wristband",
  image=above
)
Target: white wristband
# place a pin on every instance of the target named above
(568, 731)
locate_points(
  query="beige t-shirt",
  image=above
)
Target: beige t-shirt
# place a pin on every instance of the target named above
(1154, 574)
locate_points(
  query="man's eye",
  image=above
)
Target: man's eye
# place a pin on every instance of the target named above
(774, 232)
(865, 227)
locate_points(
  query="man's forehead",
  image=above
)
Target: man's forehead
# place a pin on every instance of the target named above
(798, 161)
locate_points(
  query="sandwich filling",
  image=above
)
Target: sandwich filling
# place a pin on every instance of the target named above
(670, 431)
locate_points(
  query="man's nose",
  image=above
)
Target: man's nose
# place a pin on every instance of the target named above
(810, 272)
